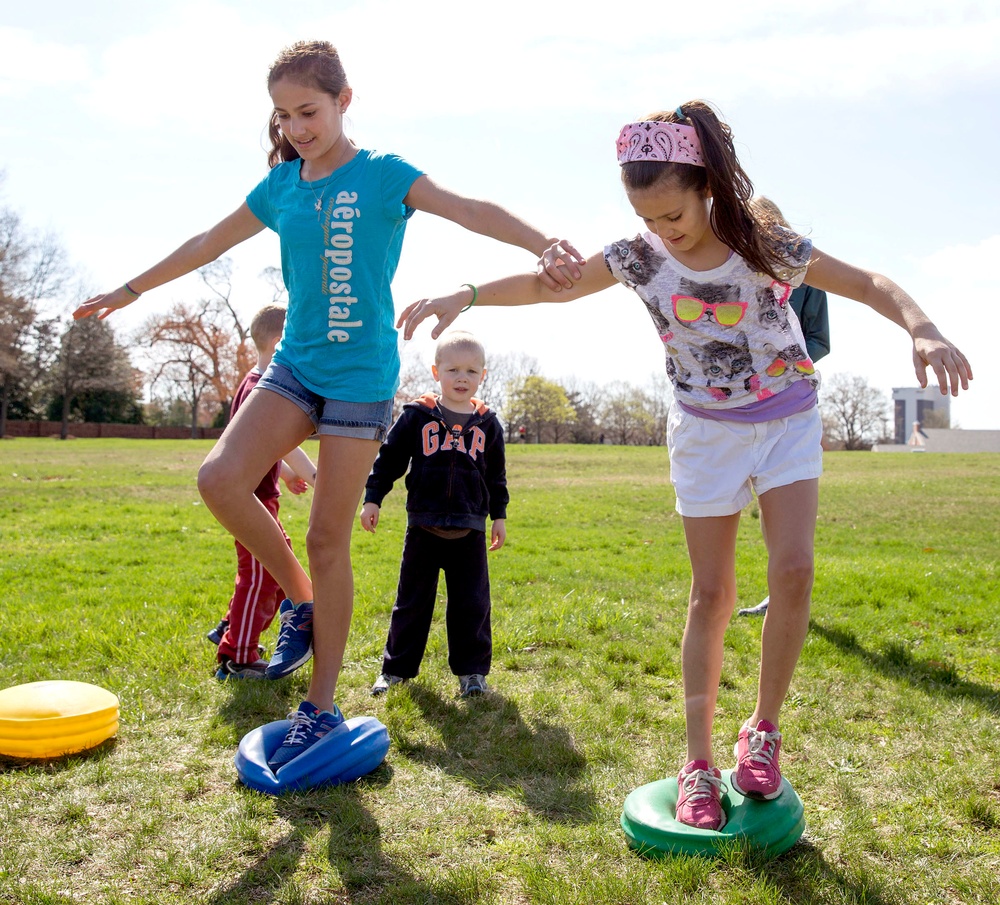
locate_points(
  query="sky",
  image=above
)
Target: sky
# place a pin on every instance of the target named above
(127, 127)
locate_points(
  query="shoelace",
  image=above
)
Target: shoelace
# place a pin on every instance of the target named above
(301, 724)
(698, 785)
(760, 745)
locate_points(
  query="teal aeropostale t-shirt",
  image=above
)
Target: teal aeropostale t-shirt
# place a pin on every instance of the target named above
(341, 238)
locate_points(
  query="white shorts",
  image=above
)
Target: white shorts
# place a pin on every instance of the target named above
(715, 466)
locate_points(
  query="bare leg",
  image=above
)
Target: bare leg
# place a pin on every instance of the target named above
(266, 427)
(343, 467)
(712, 550)
(790, 516)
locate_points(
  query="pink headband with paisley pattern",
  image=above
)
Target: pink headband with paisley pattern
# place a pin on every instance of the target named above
(652, 140)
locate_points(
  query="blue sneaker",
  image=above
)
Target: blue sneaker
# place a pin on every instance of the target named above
(309, 725)
(215, 636)
(294, 645)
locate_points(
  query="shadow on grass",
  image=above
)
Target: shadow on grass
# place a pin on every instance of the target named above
(361, 870)
(254, 702)
(802, 874)
(897, 662)
(489, 746)
(52, 765)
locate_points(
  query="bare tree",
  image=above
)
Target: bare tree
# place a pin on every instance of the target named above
(276, 280)
(30, 271)
(661, 397)
(854, 412)
(201, 350)
(414, 380)
(218, 277)
(626, 417)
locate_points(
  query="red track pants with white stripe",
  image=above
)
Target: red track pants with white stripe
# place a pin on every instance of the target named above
(255, 600)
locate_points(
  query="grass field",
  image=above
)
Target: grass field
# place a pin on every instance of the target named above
(113, 572)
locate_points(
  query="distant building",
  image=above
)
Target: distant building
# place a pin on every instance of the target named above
(913, 404)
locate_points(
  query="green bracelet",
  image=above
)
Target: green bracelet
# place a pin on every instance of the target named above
(475, 295)
(130, 289)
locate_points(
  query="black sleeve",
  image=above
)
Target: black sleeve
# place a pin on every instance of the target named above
(496, 472)
(392, 460)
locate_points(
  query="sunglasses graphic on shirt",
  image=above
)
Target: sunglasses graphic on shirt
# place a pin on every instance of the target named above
(688, 308)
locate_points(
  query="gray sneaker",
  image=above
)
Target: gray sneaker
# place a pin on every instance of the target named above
(758, 610)
(471, 686)
(384, 682)
(228, 669)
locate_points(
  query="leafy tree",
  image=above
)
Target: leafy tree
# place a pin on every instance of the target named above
(541, 406)
(93, 375)
(503, 372)
(855, 413)
(587, 400)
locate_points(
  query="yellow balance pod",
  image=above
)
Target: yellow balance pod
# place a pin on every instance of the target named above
(50, 719)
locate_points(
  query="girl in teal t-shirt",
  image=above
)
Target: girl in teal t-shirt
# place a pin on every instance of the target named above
(340, 213)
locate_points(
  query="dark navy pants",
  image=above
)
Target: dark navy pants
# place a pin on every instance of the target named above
(467, 618)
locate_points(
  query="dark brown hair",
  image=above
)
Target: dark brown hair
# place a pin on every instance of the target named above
(733, 218)
(313, 63)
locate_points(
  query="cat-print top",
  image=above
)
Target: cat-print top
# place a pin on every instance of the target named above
(730, 337)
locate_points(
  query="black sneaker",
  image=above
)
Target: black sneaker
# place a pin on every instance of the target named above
(228, 669)
(471, 686)
(215, 636)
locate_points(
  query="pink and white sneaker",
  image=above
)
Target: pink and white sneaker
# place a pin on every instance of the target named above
(699, 796)
(757, 774)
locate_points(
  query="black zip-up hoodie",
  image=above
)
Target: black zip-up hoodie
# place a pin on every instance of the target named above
(455, 481)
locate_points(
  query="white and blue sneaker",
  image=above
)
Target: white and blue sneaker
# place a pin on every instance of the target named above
(309, 725)
(294, 647)
(471, 686)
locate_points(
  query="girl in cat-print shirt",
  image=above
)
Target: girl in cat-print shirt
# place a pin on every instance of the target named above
(715, 277)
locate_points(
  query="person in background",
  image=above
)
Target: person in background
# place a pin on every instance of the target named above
(810, 307)
(256, 594)
(453, 448)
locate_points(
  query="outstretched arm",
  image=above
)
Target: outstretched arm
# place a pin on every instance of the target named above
(521, 289)
(293, 482)
(930, 348)
(301, 465)
(196, 252)
(491, 220)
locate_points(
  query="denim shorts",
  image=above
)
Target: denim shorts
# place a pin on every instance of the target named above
(330, 417)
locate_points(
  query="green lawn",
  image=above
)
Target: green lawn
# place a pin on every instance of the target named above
(115, 571)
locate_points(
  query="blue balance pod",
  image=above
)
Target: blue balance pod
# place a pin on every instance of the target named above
(356, 747)
(769, 826)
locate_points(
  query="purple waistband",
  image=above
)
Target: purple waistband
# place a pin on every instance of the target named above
(799, 397)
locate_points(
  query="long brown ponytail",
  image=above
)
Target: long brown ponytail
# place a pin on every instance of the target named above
(313, 63)
(733, 218)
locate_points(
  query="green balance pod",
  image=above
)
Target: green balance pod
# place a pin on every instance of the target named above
(769, 826)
